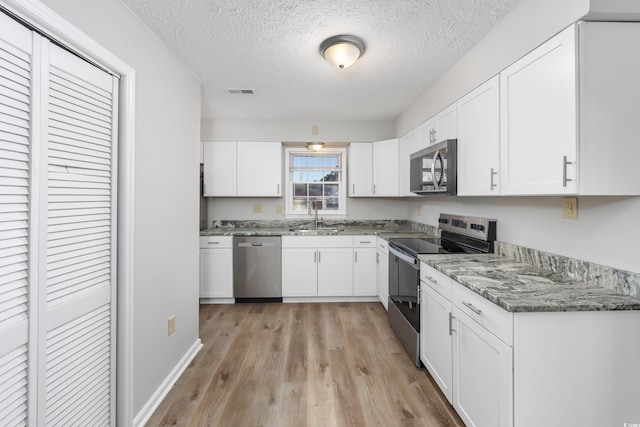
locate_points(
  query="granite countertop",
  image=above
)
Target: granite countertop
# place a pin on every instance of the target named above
(385, 233)
(520, 287)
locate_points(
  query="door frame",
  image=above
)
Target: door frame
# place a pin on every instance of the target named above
(50, 23)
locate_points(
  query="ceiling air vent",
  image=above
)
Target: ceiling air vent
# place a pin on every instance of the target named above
(240, 91)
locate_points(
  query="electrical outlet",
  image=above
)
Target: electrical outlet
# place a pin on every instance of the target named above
(419, 210)
(315, 130)
(569, 208)
(257, 208)
(278, 209)
(172, 324)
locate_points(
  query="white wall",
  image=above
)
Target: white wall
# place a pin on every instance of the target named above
(357, 209)
(296, 130)
(605, 231)
(166, 187)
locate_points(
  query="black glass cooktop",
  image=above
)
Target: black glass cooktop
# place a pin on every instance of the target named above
(415, 246)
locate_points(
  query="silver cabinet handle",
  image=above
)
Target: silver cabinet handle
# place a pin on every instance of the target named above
(278, 192)
(353, 189)
(356, 254)
(213, 243)
(451, 323)
(431, 279)
(374, 189)
(472, 308)
(565, 162)
(492, 174)
(377, 258)
(419, 296)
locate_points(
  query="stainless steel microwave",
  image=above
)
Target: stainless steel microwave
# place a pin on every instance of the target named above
(433, 170)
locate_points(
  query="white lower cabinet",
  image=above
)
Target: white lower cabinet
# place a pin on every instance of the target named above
(435, 338)
(216, 267)
(317, 266)
(365, 266)
(482, 374)
(461, 349)
(382, 254)
(529, 369)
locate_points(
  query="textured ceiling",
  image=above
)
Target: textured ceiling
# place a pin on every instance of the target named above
(271, 46)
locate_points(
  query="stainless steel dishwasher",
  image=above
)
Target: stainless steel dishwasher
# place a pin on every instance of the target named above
(257, 268)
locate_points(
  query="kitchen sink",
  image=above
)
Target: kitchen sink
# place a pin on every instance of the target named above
(315, 231)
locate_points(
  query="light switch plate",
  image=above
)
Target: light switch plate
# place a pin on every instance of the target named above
(569, 208)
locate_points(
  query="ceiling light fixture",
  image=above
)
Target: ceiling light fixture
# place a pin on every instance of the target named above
(342, 51)
(315, 146)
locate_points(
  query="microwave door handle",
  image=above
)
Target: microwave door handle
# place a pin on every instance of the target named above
(436, 184)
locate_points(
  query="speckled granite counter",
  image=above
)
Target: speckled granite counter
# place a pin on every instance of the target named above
(520, 287)
(385, 229)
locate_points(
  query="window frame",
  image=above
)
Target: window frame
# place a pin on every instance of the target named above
(340, 213)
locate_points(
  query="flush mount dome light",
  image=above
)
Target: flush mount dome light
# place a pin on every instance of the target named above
(342, 51)
(315, 146)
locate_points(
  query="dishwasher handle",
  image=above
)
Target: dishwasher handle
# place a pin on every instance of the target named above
(256, 245)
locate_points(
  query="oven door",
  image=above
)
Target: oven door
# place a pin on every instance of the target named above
(404, 281)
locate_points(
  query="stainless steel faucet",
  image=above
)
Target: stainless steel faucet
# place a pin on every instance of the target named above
(314, 205)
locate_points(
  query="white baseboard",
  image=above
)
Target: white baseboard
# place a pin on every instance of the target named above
(152, 404)
(328, 299)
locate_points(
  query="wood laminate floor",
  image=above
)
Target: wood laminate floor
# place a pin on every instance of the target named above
(321, 364)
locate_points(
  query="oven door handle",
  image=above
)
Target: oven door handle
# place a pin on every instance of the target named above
(406, 258)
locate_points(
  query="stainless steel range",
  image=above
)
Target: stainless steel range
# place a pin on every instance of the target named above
(459, 234)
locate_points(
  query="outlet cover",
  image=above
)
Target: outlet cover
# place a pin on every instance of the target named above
(257, 208)
(315, 130)
(278, 209)
(569, 208)
(172, 324)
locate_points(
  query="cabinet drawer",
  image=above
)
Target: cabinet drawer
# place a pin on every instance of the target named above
(436, 280)
(216, 242)
(383, 245)
(492, 317)
(368, 241)
(317, 241)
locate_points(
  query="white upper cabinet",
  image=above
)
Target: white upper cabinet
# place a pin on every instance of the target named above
(245, 169)
(446, 124)
(409, 144)
(219, 169)
(479, 140)
(386, 168)
(259, 169)
(538, 116)
(360, 170)
(569, 114)
(439, 127)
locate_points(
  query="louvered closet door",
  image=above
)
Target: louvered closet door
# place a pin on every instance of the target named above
(80, 243)
(15, 166)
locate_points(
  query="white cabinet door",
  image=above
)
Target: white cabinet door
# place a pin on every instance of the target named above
(409, 144)
(435, 338)
(385, 168)
(539, 120)
(219, 169)
(365, 272)
(335, 272)
(383, 272)
(259, 169)
(216, 273)
(360, 170)
(446, 124)
(479, 140)
(299, 272)
(482, 375)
